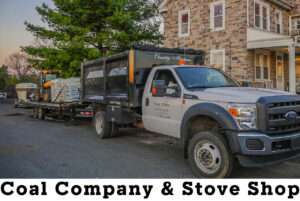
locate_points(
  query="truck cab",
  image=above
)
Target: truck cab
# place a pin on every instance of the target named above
(219, 121)
(168, 91)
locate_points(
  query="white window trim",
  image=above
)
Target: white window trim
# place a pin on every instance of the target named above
(294, 25)
(180, 22)
(212, 13)
(280, 21)
(212, 52)
(261, 5)
(262, 67)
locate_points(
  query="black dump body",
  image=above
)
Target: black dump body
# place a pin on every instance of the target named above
(120, 79)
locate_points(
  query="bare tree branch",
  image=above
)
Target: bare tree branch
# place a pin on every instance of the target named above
(18, 66)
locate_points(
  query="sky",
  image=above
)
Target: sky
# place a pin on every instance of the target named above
(13, 14)
(13, 34)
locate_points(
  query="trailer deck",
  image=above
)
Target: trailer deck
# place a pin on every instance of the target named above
(74, 109)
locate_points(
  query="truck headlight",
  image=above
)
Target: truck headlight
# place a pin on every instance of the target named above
(244, 114)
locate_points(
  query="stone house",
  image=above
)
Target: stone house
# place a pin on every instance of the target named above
(254, 41)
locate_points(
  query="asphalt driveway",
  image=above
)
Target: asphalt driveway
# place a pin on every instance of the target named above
(31, 148)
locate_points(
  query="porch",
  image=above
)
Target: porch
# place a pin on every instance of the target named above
(275, 60)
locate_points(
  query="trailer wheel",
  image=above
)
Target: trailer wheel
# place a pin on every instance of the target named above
(41, 113)
(102, 127)
(35, 113)
(114, 130)
(209, 155)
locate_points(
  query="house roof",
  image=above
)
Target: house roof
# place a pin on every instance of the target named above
(285, 4)
(162, 6)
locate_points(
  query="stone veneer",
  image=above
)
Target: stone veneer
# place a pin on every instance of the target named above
(273, 8)
(232, 38)
(239, 62)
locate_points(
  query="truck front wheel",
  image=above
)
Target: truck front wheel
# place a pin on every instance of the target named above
(102, 127)
(209, 155)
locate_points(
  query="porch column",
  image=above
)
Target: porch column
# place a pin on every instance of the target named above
(292, 69)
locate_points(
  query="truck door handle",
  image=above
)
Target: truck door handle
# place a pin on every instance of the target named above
(147, 102)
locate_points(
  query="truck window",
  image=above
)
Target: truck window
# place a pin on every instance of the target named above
(201, 77)
(49, 77)
(169, 79)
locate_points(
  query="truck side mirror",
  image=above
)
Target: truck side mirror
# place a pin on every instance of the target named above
(158, 88)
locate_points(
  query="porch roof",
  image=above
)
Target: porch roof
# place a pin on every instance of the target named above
(276, 42)
(262, 39)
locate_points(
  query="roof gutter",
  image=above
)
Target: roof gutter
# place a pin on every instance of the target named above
(282, 4)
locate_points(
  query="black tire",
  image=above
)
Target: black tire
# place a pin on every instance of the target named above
(114, 130)
(209, 155)
(101, 125)
(47, 95)
(35, 113)
(41, 113)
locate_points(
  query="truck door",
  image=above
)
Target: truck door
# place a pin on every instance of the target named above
(163, 114)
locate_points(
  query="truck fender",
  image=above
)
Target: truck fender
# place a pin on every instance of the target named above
(213, 111)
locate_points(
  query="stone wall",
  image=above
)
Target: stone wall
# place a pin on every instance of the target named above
(296, 9)
(239, 62)
(232, 38)
(273, 8)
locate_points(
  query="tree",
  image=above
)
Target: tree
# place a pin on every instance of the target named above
(90, 29)
(3, 76)
(17, 66)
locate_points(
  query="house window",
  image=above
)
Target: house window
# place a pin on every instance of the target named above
(257, 15)
(217, 59)
(296, 25)
(261, 15)
(217, 16)
(278, 21)
(262, 67)
(184, 23)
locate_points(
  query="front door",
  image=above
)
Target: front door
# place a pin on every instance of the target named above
(279, 72)
(163, 114)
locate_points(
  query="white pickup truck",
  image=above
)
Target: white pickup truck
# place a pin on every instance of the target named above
(218, 121)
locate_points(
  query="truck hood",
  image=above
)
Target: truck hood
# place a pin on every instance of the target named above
(236, 94)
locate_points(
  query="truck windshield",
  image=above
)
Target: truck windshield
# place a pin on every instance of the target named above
(202, 77)
(49, 77)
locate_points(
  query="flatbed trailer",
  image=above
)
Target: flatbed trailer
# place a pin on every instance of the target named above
(74, 109)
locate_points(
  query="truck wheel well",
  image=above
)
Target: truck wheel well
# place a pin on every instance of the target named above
(199, 124)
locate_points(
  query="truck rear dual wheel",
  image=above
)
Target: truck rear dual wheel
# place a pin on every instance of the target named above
(101, 125)
(103, 128)
(210, 156)
(114, 130)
